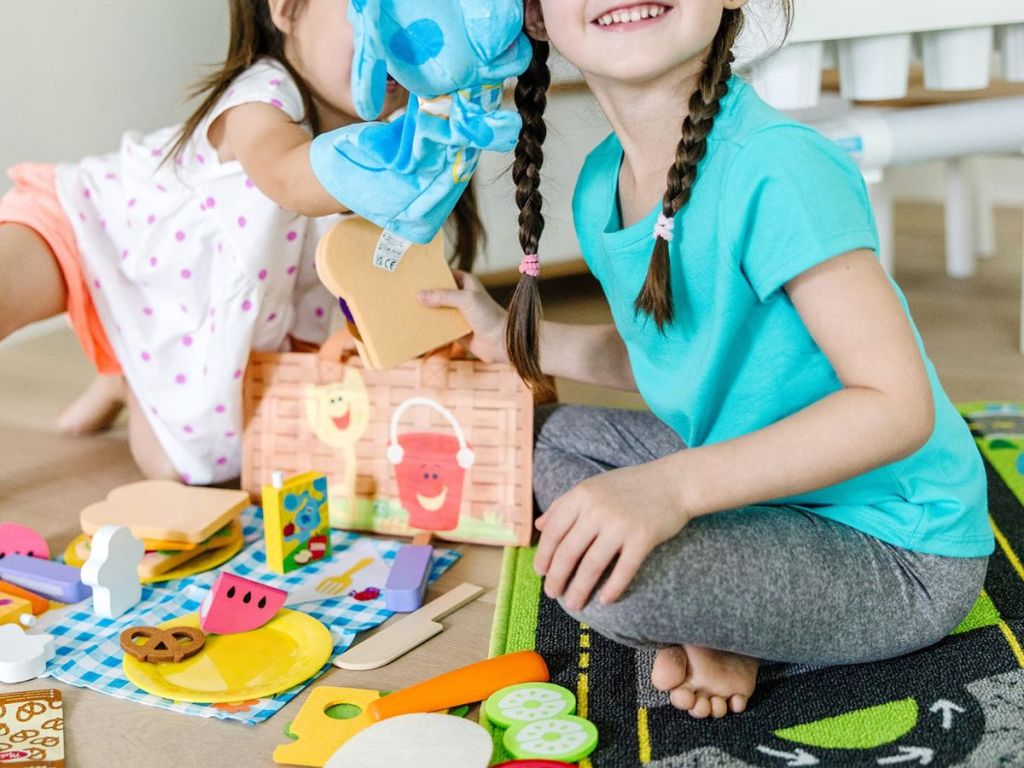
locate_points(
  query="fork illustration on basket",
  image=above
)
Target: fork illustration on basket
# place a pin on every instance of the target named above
(335, 585)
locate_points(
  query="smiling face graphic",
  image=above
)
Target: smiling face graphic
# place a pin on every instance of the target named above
(431, 491)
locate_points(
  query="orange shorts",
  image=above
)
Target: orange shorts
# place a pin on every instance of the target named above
(33, 202)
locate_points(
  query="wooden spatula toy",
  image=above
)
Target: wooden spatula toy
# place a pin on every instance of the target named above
(413, 630)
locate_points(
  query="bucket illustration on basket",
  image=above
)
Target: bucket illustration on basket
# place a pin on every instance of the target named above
(430, 469)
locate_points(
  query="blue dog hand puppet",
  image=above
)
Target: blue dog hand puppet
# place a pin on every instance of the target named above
(453, 57)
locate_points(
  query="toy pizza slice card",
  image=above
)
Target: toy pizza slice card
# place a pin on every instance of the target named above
(379, 276)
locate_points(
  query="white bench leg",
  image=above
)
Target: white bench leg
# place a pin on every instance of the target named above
(881, 202)
(984, 216)
(959, 240)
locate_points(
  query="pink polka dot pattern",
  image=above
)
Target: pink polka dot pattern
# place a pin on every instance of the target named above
(291, 236)
(147, 311)
(188, 429)
(238, 373)
(180, 378)
(179, 236)
(222, 461)
(241, 221)
(96, 284)
(186, 274)
(277, 103)
(246, 305)
(187, 341)
(229, 434)
(249, 183)
(292, 270)
(319, 312)
(262, 274)
(220, 408)
(210, 202)
(272, 318)
(87, 193)
(145, 357)
(152, 261)
(151, 218)
(131, 202)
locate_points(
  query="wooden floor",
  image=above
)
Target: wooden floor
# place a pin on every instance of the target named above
(970, 329)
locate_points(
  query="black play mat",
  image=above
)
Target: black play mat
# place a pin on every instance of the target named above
(958, 703)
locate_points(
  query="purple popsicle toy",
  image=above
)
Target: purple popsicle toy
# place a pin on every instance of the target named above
(407, 582)
(50, 579)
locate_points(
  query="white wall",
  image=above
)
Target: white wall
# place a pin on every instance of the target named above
(75, 74)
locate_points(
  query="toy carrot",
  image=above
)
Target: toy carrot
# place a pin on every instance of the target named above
(463, 686)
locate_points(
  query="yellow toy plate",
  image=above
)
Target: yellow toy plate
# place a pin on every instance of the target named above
(290, 648)
(200, 564)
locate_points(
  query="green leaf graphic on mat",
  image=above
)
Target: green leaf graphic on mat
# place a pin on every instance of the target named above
(1000, 444)
(861, 729)
(983, 614)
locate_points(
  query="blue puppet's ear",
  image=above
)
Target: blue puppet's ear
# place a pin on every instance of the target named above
(492, 27)
(369, 66)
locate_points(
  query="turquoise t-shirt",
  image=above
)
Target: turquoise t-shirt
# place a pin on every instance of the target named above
(772, 199)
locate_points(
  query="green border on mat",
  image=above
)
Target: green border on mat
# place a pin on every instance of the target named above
(515, 621)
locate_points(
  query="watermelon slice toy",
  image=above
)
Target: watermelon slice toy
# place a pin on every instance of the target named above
(236, 604)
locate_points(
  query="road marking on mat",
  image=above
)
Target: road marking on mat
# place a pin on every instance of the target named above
(583, 681)
(1007, 549)
(1018, 652)
(643, 736)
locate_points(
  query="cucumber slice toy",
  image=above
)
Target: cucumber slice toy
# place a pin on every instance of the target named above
(566, 738)
(528, 702)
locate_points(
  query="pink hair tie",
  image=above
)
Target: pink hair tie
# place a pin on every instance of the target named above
(530, 265)
(665, 227)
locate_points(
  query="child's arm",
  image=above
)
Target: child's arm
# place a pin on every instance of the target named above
(274, 151)
(883, 413)
(593, 354)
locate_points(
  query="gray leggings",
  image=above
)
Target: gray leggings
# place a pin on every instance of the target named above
(774, 582)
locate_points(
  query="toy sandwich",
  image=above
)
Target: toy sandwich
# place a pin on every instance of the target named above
(178, 524)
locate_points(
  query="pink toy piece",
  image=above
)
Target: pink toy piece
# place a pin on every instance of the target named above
(21, 540)
(236, 604)
(44, 577)
(407, 582)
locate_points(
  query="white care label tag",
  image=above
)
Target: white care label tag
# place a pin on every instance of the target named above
(389, 251)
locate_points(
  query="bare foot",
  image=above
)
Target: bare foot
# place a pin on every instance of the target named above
(96, 408)
(704, 681)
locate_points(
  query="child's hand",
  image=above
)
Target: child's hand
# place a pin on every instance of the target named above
(623, 513)
(484, 315)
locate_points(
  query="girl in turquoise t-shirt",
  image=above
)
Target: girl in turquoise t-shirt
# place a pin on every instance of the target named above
(802, 489)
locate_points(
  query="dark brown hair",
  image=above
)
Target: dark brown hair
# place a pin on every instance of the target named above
(254, 36)
(655, 298)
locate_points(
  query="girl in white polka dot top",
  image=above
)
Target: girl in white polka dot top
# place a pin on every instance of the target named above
(177, 255)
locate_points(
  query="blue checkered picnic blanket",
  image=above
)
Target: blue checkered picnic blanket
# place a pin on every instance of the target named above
(88, 653)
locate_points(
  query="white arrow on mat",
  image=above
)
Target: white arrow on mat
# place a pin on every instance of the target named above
(921, 754)
(947, 708)
(795, 758)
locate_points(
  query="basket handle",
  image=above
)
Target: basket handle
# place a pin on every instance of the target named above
(434, 368)
(338, 347)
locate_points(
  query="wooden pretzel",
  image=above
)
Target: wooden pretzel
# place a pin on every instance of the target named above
(174, 644)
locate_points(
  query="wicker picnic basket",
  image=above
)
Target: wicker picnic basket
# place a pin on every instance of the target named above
(442, 443)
